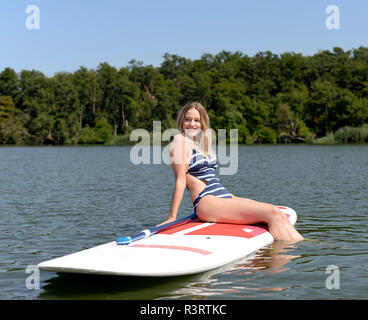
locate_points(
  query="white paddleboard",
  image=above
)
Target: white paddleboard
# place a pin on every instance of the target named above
(189, 248)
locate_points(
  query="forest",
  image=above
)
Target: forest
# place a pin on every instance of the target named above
(269, 98)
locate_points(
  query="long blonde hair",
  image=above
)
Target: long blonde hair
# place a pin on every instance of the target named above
(205, 137)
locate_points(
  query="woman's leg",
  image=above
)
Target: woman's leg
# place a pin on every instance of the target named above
(293, 233)
(246, 211)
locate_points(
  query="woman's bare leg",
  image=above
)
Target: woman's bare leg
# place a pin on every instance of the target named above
(293, 233)
(246, 211)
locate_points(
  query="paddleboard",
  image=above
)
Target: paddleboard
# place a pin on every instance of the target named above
(188, 248)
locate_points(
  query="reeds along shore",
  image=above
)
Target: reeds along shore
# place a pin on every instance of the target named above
(345, 135)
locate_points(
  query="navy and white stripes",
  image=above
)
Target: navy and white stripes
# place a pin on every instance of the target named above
(204, 169)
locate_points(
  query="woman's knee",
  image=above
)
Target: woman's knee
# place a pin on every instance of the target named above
(276, 216)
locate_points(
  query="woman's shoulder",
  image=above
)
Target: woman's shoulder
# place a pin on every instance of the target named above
(179, 138)
(179, 141)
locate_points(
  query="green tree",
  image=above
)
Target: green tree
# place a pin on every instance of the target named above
(83, 84)
(11, 123)
(261, 96)
(321, 102)
(6, 107)
(127, 96)
(9, 83)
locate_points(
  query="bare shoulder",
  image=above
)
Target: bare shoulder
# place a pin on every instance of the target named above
(179, 138)
(179, 147)
(179, 141)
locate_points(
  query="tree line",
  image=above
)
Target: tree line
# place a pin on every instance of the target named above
(269, 98)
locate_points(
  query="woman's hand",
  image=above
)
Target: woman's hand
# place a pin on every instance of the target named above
(166, 221)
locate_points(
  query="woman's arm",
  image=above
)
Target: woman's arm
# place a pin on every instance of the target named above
(179, 162)
(178, 193)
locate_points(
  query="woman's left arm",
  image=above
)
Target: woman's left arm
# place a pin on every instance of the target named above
(179, 165)
(177, 197)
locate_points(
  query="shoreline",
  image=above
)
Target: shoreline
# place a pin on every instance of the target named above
(151, 145)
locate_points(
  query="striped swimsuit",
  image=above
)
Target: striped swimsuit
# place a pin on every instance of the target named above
(204, 169)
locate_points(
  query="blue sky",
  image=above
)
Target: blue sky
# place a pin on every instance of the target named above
(76, 33)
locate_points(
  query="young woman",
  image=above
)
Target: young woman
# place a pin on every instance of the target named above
(194, 162)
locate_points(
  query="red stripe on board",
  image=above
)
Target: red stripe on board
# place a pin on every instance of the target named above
(227, 229)
(164, 246)
(186, 225)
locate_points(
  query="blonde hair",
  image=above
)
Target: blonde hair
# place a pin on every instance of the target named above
(205, 140)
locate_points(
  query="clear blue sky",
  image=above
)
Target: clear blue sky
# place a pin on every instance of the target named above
(76, 33)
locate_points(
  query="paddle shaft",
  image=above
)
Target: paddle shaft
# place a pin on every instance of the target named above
(149, 232)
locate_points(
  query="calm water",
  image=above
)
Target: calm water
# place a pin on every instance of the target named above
(58, 200)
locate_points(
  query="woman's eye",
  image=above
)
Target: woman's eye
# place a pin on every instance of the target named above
(190, 120)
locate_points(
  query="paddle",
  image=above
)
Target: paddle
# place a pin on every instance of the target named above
(149, 232)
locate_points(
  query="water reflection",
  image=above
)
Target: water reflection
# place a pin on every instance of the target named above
(227, 281)
(271, 259)
(268, 261)
(83, 286)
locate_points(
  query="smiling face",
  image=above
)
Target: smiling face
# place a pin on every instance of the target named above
(192, 123)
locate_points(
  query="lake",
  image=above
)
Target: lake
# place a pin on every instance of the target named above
(59, 200)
